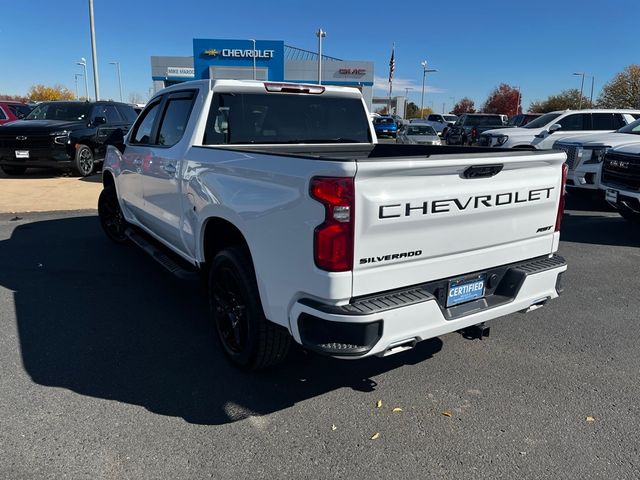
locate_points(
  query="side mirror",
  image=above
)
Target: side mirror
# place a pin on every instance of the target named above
(99, 121)
(554, 128)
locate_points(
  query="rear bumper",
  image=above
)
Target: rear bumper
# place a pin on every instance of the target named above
(394, 321)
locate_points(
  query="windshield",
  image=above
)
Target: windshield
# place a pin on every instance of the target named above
(481, 120)
(71, 111)
(633, 128)
(421, 130)
(542, 121)
(450, 118)
(275, 118)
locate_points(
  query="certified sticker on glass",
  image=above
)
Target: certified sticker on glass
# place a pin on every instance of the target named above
(465, 289)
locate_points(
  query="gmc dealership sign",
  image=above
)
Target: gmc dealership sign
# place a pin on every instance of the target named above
(352, 71)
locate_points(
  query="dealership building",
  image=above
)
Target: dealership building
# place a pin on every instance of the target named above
(261, 59)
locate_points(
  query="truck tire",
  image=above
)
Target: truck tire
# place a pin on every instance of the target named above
(111, 218)
(247, 338)
(83, 162)
(13, 170)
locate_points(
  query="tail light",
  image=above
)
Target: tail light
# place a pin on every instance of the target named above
(333, 239)
(563, 186)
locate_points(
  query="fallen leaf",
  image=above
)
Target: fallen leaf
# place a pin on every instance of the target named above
(379, 404)
(333, 427)
(446, 414)
(590, 419)
(375, 436)
(397, 409)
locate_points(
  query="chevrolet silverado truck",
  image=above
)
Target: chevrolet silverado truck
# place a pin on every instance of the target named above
(305, 228)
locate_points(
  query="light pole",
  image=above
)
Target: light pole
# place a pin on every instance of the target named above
(320, 34)
(253, 54)
(425, 70)
(453, 102)
(76, 81)
(117, 64)
(518, 102)
(582, 74)
(83, 64)
(406, 100)
(96, 82)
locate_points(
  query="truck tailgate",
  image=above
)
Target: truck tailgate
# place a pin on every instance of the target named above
(424, 219)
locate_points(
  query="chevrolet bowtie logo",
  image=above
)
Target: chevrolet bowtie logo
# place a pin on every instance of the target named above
(212, 52)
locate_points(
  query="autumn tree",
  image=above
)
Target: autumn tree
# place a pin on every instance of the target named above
(623, 91)
(567, 99)
(504, 100)
(14, 98)
(40, 93)
(465, 105)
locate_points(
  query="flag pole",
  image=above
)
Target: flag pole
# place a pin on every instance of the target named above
(392, 67)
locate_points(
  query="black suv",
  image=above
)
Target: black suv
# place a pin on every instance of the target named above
(469, 126)
(63, 135)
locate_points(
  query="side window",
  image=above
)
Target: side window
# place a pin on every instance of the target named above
(174, 121)
(112, 114)
(2, 115)
(142, 130)
(603, 121)
(127, 112)
(577, 121)
(619, 121)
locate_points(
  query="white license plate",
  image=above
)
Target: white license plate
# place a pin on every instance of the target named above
(611, 196)
(22, 153)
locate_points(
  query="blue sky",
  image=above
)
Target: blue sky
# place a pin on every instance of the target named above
(475, 45)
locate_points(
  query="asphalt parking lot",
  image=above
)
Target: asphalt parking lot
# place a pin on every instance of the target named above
(109, 369)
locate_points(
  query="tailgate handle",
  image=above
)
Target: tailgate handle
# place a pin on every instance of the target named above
(482, 171)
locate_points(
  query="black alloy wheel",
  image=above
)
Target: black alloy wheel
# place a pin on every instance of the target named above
(248, 339)
(111, 217)
(83, 163)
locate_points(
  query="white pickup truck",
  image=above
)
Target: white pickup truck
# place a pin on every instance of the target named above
(306, 228)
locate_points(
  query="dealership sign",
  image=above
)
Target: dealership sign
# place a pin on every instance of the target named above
(180, 72)
(352, 71)
(238, 53)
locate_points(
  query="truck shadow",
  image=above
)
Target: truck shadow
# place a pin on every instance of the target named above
(104, 321)
(590, 220)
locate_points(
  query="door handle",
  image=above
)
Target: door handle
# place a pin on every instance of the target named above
(169, 168)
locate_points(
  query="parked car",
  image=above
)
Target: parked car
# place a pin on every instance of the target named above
(585, 154)
(440, 122)
(621, 180)
(385, 127)
(352, 248)
(12, 111)
(544, 131)
(522, 119)
(469, 126)
(417, 134)
(63, 135)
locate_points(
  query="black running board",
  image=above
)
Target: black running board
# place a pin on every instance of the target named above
(178, 267)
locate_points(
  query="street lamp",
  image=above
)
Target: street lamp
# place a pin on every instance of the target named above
(117, 64)
(76, 82)
(320, 34)
(582, 74)
(83, 64)
(425, 70)
(253, 54)
(453, 102)
(406, 100)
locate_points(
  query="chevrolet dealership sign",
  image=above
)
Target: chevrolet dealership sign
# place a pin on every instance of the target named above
(238, 53)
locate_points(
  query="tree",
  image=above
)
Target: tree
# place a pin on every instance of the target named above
(466, 105)
(504, 99)
(567, 99)
(40, 93)
(623, 91)
(412, 110)
(14, 98)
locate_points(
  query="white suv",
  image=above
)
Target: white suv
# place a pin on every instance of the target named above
(544, 131)
(586, 152)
